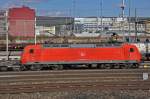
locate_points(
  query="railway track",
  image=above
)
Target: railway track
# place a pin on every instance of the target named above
(30, 88)
(43, 81)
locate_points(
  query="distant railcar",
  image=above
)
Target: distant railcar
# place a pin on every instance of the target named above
(58, 56)
(144, 49)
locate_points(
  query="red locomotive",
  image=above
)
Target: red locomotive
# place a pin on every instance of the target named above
(58, 56)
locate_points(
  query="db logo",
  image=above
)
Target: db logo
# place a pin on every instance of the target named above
(82, 54)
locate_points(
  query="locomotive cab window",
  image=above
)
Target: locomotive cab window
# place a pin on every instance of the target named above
(31, 51)
(131, 50)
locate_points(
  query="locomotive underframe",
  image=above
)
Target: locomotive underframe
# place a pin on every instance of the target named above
(96, 64)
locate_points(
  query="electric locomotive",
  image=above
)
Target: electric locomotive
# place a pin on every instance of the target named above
(59, 56)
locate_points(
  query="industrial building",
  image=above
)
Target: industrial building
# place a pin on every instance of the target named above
(54, 26)
(105, 25)
(21, 22)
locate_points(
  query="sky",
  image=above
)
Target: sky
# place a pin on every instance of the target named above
(81, 8)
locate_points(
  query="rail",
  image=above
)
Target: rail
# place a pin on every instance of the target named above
(44, 81)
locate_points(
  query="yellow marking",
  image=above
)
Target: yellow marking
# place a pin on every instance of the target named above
(145, 66)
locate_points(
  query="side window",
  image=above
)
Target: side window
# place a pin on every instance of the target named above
(31, 51)
(131, 50)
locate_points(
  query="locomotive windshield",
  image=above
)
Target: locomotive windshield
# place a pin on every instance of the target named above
(31, 51)
(131, 50)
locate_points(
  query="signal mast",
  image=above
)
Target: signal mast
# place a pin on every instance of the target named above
(122, 6)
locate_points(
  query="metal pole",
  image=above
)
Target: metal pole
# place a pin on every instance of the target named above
(7, 42)
(123, 7)
(74, 8)
(129, 20)
(135, 25)
(97, 27)
(101, 4)
(35, 37)
(123, 29)
(71, 24)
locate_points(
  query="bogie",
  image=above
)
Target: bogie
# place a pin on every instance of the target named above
(57, 67)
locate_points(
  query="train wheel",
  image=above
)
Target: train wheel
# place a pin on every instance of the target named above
(57, 67)
(137, 65)
(60, 67)
(108, 66)
(102, 66)
(124, 66)
(35, 67)
(98, 66)
(116, 66)
(90, 66)
(16, 69)
(66, 67)
(134, 66)
(23, 68)
(32, 68)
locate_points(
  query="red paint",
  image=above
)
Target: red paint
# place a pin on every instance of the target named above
(22, 13)
(21, 22)
(40, 54)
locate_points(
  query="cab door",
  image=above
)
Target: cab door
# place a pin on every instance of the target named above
(35, 54)
(132, 54)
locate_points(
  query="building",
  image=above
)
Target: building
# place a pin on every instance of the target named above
(147, 26)
(54, 26)
(109, 24)
(21, 22)
(3, 22)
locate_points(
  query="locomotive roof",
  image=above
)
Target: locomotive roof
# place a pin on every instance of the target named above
(79, 45)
